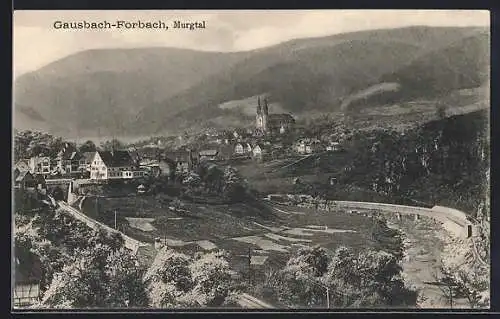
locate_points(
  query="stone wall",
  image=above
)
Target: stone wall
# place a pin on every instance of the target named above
(452, 220)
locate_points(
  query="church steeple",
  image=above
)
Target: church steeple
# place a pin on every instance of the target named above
(259, 107)
(266, 109)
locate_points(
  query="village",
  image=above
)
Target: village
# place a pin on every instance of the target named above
(269, 140)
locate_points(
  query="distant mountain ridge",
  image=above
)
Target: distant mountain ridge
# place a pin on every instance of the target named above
(164, 90)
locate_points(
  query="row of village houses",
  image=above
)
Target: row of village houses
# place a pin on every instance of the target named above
(136, 163)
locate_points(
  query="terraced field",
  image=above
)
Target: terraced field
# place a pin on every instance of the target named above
(270, 231)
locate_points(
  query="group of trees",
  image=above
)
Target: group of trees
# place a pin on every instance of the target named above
(177, 280)
(443, 161)
(369, 278)
(80, 267)
(212, 179)
(86, 268)
(457, 283)
(366, 279)
(29, 144)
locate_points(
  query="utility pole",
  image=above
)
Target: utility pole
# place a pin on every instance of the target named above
(115, 218)
(249, 265)
(327, 297)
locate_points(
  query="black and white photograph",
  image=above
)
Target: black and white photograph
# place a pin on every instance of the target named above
(188, 160)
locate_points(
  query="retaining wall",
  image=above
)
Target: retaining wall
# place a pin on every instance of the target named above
(452, 220)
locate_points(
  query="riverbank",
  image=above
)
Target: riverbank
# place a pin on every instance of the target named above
(429, 247)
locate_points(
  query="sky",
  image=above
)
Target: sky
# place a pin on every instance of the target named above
(36, 42)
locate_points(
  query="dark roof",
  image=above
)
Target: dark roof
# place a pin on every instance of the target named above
(211, 152)
(178, 156)
(116, 158)
(226, 150)
(27, 267)
(148, 152)
(281, 118)
(89, 156)
(21, 175)
(68, 152)
(22, 165)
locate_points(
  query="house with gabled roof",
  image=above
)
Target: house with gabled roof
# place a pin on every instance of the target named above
(184, 160)
(208, 154)
(40, 165)
(22, 165)
(24, 179)
(68, 159)
(110, 165)
(260, 151)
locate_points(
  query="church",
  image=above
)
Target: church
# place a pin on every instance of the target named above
(272, 123)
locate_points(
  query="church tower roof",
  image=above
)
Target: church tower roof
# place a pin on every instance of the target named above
(266, 109)
(259, 107)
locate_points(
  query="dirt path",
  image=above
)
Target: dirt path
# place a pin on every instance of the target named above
(425, 242)
(421, 267)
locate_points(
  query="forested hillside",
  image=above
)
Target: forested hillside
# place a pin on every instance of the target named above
(444, 162)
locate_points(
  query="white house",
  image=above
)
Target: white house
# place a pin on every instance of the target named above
(239, 149)
(40, 165)
(248, 148)
(112, 165)
(333, 146)
(98, 169)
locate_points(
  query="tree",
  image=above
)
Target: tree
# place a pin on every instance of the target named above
(97, 278)
(114, 144)
(174, 281)
(386, 238)
(367, 279)
(311, 260)
(88, 146)
(234, 187)
(169, 279)
(192, 180)
(458, 283)
(212, 279)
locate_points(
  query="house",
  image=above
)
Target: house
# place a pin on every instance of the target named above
(225, 152)
(247, 147)
(308, 146)
(333, 146)
(184, 160)
(40, 165)
(134, 154)
(208, 155)
(86, 161)
(68, 159)
(150, 151)
(239, 149)
(112, 165)
(40, 183)
(24, 179)
(23, 165)
(27, 276)
(166, 167)
(260, 151)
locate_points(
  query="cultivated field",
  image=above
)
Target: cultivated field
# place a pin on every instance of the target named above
(270, 231)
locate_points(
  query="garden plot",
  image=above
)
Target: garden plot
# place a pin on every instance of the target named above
(206, 245)
(143, 224)
(291, 239)
(309, 231)
(262, 243)
(258, 260)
